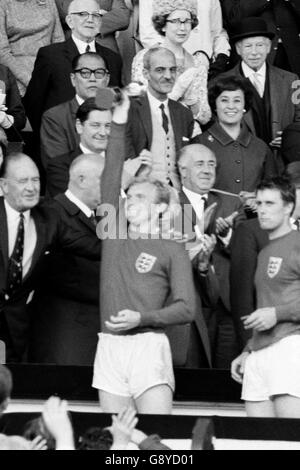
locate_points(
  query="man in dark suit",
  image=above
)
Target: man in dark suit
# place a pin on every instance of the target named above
(58, 131)
(274, 107)
(50, 83)
(93, 125)
(115, 18)
(197, 165)
(157, 123)
(65, 306)
(282, 18)
(28, 232)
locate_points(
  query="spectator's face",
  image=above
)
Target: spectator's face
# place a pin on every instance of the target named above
(87, 87)
(178, 33)
(272, 211)
(254, 51)
(141, 208)
(95, 130)
(92, 181)
(85, 29)
(230, 107)
(198, 172)
(21, 186)
(161, 75)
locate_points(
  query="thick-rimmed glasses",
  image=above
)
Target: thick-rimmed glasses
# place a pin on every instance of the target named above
(86, 73)
(179, 22)
(84, 15)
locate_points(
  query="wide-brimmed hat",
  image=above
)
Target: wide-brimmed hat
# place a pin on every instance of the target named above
(250, 27)
(165, 7)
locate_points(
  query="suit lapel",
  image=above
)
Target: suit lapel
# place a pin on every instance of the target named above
(74, 211)
(70, 50)
(176, 119)
(3, 235)
(41, 236)
(145, 117)
(277, 100)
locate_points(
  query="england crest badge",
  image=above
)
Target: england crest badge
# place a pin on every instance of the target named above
(145, 263)
(274, 266)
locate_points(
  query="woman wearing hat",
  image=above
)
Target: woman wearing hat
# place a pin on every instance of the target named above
(174, 21)
(243, 159)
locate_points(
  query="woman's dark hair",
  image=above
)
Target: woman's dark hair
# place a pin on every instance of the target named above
(230, 83)
(36, 427)
(160, 21)
(95, 438)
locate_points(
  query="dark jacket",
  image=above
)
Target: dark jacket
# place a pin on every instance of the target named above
(50, 83)
(139, 126)
(247, 241)
(65, 307)
(58, 132)
(242, 163)
(51, 233)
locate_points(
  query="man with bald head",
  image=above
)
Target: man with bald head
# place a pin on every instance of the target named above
(197, 166)
(65, 307)
(156, 123)
(29, 231)
(50, 83)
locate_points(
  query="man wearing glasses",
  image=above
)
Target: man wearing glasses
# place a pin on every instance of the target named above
(115, 18)
(50, 83)
(58, 132)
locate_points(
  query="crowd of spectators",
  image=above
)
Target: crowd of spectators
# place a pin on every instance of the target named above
(213, 110)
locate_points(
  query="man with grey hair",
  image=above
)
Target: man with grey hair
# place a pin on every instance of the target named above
(29, 231)
(156, 123)
(212, 217)
(50, 83)
(274, 107)
(66, 304)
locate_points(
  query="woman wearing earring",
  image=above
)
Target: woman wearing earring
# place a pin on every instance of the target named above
(25, 26)
(174, 21)
(243, 159)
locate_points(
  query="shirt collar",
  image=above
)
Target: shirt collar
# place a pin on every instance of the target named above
(216, 131)
(192, 195)
(79, 100)
(83, 207)
(81, 45)
(14, 215)
(155, 103)
(248, 72)
(85, 150)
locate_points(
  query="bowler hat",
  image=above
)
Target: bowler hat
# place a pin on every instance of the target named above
(250, 27)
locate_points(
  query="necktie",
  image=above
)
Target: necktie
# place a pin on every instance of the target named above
(165, 120)
(297, 224)
(88, 48)
(204, 199)
(93, 219)
(15, 268)
(257, 83)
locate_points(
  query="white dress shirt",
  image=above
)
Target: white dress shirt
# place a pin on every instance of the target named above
(83, 207)
(257, 78)
(30, 236)
(155, 107)
(81, 45)
(196, 200)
